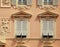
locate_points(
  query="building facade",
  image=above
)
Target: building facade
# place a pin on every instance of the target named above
(29, 23)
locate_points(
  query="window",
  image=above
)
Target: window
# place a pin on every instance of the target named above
(22, 2)
(48, 2)
(48, 28)
(21, 28)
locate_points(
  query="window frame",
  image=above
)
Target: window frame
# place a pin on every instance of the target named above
(28, 26)
(41, 24)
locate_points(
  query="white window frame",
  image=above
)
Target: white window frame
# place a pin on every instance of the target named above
(41, 24)
(28, 26)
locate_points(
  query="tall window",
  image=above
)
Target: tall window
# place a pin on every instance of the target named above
(48, 2)
(48, 28)
(21, 28)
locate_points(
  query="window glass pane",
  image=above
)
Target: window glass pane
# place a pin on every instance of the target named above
(22, 2)
(19, 2)
(50, 2)
(25, 2)
(45, 2)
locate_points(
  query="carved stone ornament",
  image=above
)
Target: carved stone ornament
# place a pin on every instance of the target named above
(5, 3)
(4, 26)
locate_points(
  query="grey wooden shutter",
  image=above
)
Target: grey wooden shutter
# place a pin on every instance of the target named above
(55, 2)
(13, 2)
(24, 27)
(39, 2)
(51, 27)
(18, 27)
(29, 2)
(44, 27)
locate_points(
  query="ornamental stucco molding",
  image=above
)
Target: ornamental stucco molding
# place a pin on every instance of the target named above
(4, 26)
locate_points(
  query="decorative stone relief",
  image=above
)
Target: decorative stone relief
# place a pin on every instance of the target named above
(4, 26)
(5, 3)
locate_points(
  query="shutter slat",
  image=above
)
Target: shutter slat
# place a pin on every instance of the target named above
(29, 2)
(39, 2)
(51, 27)
(24, 28)
(55, 2)
(45, 32)
(13, 2)
(18, 27)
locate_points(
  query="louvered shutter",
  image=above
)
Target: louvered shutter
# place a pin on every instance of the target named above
(18, 27)
(13, 2)
(51, 27)
(39, 2)
(24, 27)
(44, 27)
(55, 2)
(29, 2)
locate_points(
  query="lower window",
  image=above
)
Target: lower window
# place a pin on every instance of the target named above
(48, 27)
(21, 27)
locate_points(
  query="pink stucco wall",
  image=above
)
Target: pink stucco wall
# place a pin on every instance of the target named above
(35, 27)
